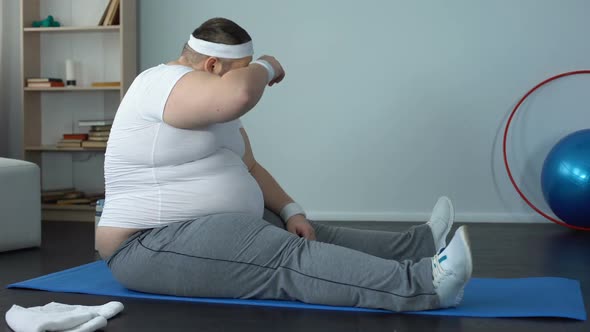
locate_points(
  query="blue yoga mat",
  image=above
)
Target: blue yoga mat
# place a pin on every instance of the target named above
(529, 297)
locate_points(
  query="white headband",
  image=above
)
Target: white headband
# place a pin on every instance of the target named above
(221, 50)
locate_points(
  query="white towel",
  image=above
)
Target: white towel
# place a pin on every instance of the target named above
(61, 317)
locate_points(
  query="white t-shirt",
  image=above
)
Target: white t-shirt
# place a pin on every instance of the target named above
(156, 174)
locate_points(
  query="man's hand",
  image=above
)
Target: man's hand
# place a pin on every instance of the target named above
(298, 225)
(279, 71)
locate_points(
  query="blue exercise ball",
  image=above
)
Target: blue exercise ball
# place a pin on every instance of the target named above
(565, 179)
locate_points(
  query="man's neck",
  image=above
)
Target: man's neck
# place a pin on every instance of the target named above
(182, 61)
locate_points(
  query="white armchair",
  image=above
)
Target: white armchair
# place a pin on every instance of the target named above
(20, 205)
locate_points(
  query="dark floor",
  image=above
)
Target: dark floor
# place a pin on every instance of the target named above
(499, 250)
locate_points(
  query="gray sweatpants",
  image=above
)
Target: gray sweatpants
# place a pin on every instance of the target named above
(240, 256)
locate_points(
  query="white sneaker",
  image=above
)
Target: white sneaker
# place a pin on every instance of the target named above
(441, 222)
(451, 269)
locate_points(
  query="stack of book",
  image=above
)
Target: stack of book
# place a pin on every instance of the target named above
(69, 196)
(44, 82)
(71, 141)
(98, 134)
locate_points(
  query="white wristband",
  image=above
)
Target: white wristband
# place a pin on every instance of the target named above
(290, 210)
(269, 69)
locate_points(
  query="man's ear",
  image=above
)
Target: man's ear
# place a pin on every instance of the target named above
(212, 65)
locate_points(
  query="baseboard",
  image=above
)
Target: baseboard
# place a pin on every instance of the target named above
(423, 216)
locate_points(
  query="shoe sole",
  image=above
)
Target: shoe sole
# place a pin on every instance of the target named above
(464, 234)
(452, 217)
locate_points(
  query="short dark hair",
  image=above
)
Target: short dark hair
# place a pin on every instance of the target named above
(217, 30)
(222, 31)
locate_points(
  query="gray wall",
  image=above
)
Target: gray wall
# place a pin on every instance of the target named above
(389, 104)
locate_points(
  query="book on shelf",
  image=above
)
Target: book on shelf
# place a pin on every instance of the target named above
(105, 14)
(110, 17)
(52, 196)
(98, 139)
(73, 201)
(100, 128)
(107, 5)
(81, 137)
(45, 84)
(98, 16)
(73, 194)
(92, 123)
(69, 196)
(48, 199)
(106, 84)
(94, 144)
(104, 133)
(66, 145)
(43, 79)
(116, 20)
(61, 191)
(69, 143)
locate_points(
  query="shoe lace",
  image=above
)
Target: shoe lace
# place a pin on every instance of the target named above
(437, 270)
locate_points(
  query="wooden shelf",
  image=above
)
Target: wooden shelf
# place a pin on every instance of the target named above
(77, 88)
(110, 55)
(75, 29)
(53, 148)
(76, 213)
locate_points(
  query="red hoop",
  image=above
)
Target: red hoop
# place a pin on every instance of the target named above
(506, 157)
